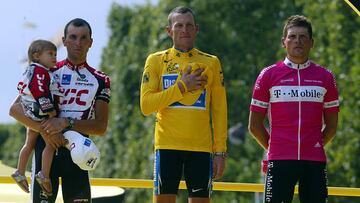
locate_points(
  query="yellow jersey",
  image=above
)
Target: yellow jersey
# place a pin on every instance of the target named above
(201, 126)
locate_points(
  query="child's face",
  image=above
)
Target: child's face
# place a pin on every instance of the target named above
(47, 58)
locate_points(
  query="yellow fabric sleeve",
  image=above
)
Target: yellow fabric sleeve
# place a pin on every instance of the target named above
(152, 98)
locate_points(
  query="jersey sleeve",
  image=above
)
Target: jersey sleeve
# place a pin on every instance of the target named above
(104, 91)
(261, 95)
(331, 99)
(219, 109)
(39, 88)
(152, 97)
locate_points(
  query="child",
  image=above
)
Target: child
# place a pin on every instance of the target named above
(38, 91)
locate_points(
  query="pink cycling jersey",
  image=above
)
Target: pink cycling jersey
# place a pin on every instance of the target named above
(295, 97)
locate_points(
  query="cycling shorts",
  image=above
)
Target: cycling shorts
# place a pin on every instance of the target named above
(282, 176)
(171, 165)
(75, 182)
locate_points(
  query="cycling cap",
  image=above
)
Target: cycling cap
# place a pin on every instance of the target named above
(83, 150)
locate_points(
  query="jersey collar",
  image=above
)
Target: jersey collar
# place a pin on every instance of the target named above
(290, 64)
(40, 65)
(74, 67)
(183, 54)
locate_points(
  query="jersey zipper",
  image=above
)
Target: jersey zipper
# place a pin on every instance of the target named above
(299, 124)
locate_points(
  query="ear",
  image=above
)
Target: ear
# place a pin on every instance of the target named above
(63, 40)
(36, 56)
(91, 41)
(168, 30)
(282, 42)
(197, 28)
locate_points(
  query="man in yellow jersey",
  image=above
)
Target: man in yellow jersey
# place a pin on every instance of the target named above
(185, 88)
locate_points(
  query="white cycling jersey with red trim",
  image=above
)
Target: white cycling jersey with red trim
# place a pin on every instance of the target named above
(38, 90)
(295, 97)
(83, 85)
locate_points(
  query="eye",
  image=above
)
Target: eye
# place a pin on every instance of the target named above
(291, 36)
(72, 37)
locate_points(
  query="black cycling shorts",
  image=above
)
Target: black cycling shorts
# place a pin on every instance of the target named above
(75, 182)
(171, 165)
(282, 176)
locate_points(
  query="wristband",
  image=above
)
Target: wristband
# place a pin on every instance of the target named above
(184, 85)
(222, 154)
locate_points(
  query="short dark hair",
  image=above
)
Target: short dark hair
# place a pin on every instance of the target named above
(38, 46)
(182, 10)
(297, 21)
(77, 22)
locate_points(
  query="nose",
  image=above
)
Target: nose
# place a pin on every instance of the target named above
(77, 42)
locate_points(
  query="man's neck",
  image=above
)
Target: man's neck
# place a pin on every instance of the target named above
(76, 61)
(298, 60)
(183, 49)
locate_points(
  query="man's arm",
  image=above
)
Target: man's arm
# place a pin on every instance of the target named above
(257, 129)
(16, 111)
(331, 120)
(95, 126)
(219, 116)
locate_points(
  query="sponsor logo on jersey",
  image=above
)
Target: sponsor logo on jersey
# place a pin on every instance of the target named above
(317, 145)
(314, 81)
(287, 80)
(82, 79)
(331, 104)
(146, 77)
(106, 92)
(259, 103)
(169, 80)
(75, 96)
(297, 93)
(66, 79)
(172, 67)
(45, 103)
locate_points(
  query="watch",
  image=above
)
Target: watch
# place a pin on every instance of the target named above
(222, 154)
(71, 122)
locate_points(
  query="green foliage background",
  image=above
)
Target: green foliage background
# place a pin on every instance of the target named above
(245, 35)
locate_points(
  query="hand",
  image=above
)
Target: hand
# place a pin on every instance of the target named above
(56, 140)
(54, 125)
(218, 167)
(194, 80)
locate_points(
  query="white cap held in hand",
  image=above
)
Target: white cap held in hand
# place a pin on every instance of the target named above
(83, 150)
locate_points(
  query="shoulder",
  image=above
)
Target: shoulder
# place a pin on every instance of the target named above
(322, 69)
(59, 65)
(269, 69)
(158, 55)
(37, 69)
(96, 72)
(206, 55)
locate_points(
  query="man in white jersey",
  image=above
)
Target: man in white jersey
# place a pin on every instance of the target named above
(84, 109)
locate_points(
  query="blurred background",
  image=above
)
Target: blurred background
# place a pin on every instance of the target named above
(244, 34)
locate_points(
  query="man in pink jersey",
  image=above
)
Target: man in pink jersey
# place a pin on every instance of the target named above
(301, 102)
